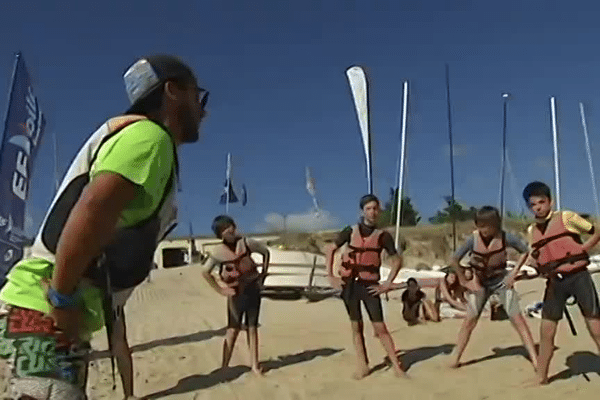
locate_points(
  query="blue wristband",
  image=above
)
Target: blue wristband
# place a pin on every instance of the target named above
(59, 300)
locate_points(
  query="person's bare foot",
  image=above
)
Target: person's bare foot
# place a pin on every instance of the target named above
(535, 382)
(258, 371)
(360, 373)
(400, 373)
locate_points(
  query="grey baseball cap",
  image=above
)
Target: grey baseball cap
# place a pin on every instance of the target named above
(148, 73)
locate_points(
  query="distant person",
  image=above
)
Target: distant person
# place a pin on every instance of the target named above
(561, 256)
(416, 308)
(99, 236)
(488, 258)
(450, 297)
(359, 280)
(242, 284)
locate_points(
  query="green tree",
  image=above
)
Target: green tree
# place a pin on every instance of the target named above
(409, 216)
(453, 212)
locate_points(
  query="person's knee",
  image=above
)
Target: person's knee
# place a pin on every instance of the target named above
(357, 326)
(380, 329)
(548, 331)
(471, 321)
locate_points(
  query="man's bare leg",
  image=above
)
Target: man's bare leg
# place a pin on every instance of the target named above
(547, 335)
(253, 346)
(230, 337)
(387, 342)
(593, 325)
(464, 334)
(122, 353)
(362, 366)
(522, 329)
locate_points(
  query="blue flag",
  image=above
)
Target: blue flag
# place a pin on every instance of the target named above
(23, 131)
(228, 188)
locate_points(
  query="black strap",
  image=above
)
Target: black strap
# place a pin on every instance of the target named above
(553, 265)
(107, 303)
(541, 243)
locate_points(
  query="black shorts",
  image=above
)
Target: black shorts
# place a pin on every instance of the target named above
(353, 293)
(579, 285)
(245, 304)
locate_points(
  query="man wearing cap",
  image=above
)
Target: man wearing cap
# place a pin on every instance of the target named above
(98, 238)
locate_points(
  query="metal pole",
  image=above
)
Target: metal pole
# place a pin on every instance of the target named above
(505, 96)
(588, 150)
(228, 183)
(402, 154)
(10, 92)
(452, 216)
(556, 158)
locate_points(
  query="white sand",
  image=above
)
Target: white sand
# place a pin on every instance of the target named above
(176, 322)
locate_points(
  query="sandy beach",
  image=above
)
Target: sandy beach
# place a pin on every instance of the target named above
(176, 326)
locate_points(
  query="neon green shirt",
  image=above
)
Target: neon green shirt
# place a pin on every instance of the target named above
(142, 153)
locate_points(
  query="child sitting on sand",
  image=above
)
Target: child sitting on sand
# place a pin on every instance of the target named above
(416, 308)
(450, 297)
(242, 284)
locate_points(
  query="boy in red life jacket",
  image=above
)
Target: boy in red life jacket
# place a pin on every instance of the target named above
(562, 257)
(360, 279)
(243, 284)
(487, 246)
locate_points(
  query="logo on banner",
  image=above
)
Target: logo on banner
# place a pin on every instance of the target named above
(32, 129)
(9, 255)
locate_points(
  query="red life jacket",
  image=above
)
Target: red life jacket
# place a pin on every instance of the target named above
(235, 266)
(489, 260)
(362, 259)
(557, 250)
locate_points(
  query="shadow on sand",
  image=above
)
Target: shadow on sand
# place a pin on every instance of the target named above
(498, 353)
(198, 382)
(579, 363)
(172, 341)
(413, 356)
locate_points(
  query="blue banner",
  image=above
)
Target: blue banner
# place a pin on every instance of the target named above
(23, 130)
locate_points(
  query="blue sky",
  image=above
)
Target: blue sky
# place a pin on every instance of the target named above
(280, 100)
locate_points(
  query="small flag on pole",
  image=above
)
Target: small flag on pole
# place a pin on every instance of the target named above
(228, 189)
(310, 187)
(244, 195)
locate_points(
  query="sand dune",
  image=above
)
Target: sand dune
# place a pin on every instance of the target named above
(176, 322)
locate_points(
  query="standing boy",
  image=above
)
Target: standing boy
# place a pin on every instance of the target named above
(488, 260)
(562, 257)
(243, 284)
(360, 279)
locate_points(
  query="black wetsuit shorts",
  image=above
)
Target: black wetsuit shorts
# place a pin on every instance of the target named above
(353, 293)
(244, 305)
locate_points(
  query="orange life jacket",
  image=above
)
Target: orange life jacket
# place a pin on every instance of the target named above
(489, 260)
(557, 250)
(362, 259)
(235, 266)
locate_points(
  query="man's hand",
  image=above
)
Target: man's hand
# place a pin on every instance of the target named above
(384, 287)
(335, 282)
(66, 320)
(509, 281)
(227, 291)
(261, 280)
(472, 286)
